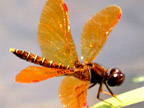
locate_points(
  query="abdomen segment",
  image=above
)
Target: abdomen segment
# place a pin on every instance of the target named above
(37, 59)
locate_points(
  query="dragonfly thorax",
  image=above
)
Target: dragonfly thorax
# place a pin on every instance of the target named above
(98, 73)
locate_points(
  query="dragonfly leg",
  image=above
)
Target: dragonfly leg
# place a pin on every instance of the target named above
(110, 92)
(92, 85)
(99, 91)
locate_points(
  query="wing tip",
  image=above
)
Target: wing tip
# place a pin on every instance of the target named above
(118, 8)
(19, 80)
(65, 7)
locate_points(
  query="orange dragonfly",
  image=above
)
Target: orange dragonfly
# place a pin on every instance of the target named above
(60, 56)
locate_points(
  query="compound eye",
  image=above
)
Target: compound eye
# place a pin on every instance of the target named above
(115, 71)
(116, 77)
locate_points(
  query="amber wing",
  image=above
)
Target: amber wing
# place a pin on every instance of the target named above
(55, 35)
(73, 92)
(36, 74)
(97, 30)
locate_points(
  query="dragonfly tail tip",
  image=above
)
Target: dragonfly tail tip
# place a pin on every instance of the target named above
(12, 49)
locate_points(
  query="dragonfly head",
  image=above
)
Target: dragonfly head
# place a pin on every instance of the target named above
(116, 77)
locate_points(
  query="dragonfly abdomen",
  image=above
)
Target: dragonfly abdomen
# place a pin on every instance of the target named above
(30, 57)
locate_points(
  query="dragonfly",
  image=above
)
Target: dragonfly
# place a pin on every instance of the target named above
(60, 57)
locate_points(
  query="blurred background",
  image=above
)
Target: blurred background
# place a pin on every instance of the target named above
(19, 21)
